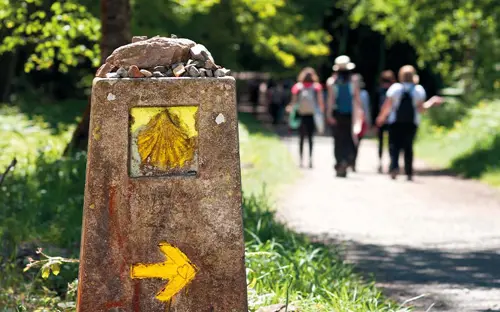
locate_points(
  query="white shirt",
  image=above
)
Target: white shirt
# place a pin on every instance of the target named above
(396, 91)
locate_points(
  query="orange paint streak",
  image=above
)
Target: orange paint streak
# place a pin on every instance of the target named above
(136, 296)
(115, 232)
(111, 203)
(114, 304)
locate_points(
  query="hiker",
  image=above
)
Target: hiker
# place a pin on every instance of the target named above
(277, 101)
(344, 108)
(387, 78)
(262, 96)
(253, 90)
(402, 107)
(307, 100)
(365, 117)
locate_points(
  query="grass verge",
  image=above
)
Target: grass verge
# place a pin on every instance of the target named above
(42, 200)
(470, 147)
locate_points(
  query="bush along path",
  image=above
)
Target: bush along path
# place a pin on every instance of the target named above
(433, 241)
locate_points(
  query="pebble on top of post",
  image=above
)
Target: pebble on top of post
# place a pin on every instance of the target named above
(161, 57)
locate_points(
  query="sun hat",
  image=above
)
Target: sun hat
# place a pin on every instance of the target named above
(343, 62)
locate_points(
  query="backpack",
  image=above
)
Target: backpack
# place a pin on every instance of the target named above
(344, 97)
(405, 112)
(307, 100)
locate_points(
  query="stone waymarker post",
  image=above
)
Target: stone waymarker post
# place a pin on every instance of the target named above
(162, 227)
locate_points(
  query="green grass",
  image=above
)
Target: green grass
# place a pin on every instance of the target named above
(266, 163)
(41, 203)
(470, 147)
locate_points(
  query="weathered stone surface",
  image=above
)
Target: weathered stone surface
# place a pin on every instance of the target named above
(103, 70)
(112, 75)
(134, 72)
(209, 73)
(200, 53)
(179, 70)
(126, 218)
(146, 73)
(169, 73)
(209, 64)
(158, 74)
(193, 71)
(161, 69)
(122, 72)
(152, 52)
(139, 38)
(221, 72)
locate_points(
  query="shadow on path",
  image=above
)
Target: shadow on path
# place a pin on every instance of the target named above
(403, 272)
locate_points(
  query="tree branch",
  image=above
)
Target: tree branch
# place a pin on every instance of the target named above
(9, 168)
(346, 14)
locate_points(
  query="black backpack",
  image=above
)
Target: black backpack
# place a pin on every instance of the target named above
(406, 110)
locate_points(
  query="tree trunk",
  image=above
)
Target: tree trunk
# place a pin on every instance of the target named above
(8, 61)
(115, 32)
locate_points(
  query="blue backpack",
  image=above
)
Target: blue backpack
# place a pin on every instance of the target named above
(344, 96)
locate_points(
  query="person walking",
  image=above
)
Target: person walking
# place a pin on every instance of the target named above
(387, 78)
(276, 100)
(307, 100)
(344, 109)
(365, 117)
(402, 107)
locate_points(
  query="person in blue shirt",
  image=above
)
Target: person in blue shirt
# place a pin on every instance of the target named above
(343, 112)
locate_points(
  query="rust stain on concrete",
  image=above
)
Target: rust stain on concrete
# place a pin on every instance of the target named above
(134, 214)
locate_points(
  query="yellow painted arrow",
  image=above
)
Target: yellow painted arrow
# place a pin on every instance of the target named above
(177, 269)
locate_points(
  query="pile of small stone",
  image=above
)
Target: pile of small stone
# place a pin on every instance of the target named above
(199, 63)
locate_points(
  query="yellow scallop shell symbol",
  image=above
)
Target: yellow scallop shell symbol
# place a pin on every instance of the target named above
(168, 139)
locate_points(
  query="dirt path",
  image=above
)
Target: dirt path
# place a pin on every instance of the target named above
(438, 235)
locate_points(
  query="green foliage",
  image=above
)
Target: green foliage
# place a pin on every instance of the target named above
(456, 37)
(272, 30)
(48, 264)
(59, 34)
(470, 147)
(41, 202)
(42, 198)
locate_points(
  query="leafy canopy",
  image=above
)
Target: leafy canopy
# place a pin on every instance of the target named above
(458, 36)
(61, 32)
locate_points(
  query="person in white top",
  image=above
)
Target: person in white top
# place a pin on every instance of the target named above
(366, 115)
(404, 103)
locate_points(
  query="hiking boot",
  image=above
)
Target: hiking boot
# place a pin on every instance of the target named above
(409, 178)
(394, 173)
(341, 170)
(310, 164)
